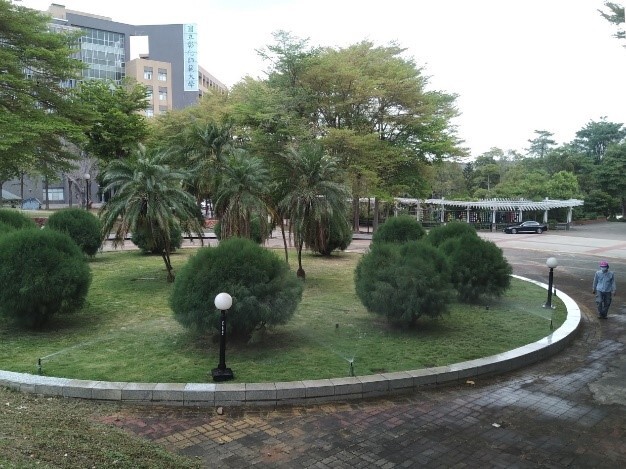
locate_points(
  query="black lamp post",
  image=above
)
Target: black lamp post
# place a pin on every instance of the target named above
(551, 263)
(223, 301)
(87, 177)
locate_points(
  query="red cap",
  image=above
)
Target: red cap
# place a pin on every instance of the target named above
(604, 264)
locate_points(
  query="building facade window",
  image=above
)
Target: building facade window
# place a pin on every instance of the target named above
(150, 112)
(149, 92)
(162, 109)
(147, 73)
(104, 52)
(55, 195)
(162, 94)
(162, 74)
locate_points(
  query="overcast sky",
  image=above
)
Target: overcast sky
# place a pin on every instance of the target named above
(516, 65)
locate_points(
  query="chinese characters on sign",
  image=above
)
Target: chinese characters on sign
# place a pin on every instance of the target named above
(190, 57)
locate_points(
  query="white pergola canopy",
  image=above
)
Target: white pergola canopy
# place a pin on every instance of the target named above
(494, 205)
(504, 204)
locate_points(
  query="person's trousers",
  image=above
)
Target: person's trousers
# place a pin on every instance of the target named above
(603, 300)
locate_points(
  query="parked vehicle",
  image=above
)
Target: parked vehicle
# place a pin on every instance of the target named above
(527, 227)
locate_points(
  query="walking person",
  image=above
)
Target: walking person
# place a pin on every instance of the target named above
(603, 288)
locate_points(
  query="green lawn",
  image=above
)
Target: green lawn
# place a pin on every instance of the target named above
(53, 433)
(126, 332)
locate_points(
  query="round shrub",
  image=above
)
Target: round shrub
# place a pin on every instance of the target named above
(42, 273)
(399, 229)
(404, 281)
(16, 219)
(81, 226)
(330, 236)
(454, 229)
(477, 267)
(265, 292)
(150, 241)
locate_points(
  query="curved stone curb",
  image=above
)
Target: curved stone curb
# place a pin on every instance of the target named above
(306, 391)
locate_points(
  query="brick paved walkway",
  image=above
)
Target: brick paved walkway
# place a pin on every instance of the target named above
(569, 411)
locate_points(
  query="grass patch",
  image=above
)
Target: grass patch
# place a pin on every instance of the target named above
(126, 332)
(50, 433)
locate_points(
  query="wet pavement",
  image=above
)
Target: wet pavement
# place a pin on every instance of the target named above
(567, 411)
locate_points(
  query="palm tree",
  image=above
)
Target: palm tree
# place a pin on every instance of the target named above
(311, 193)
(242, 195)
(148, 194)
(205, 145)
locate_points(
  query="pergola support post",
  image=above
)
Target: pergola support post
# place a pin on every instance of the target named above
(569, 217)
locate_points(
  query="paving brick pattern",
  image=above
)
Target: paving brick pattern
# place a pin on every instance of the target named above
(527, 420)
(546, 415)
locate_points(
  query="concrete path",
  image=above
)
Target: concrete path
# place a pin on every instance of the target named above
(568, 411)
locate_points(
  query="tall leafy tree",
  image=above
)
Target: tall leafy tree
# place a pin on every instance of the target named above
(468, 177)
(610, 174)
(562, 185)
(365, 160)
(269, 115)
(370, 107)
(599, 202)
(573, 160)
(448, 180)
(559, 159)
(595, 138)
(522, 182)
(148, 194)
(117, 127)
(312, 193)
(373, 91)
(38, 111)
(267, 118)
(487, 170)
(541, 144)
(290, 58)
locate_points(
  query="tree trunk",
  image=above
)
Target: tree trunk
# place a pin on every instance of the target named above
(69, 191)
(46, 184)
(168, 265)
(376, 210)
(300, 273)
(282, 231)
(356, 189)
(355, 214)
